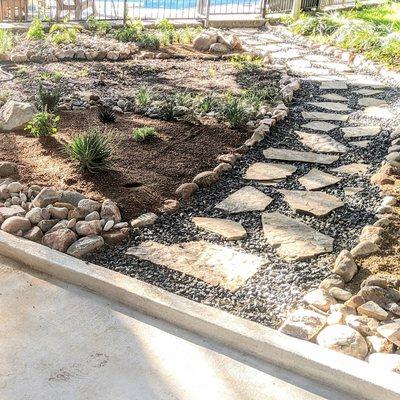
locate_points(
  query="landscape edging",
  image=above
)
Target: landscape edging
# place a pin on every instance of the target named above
(307, 359)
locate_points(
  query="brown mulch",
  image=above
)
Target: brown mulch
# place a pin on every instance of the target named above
(143, 174)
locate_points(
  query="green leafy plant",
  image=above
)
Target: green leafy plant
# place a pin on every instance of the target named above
(4, 96)
(48, 99)
(7, 40)
(106, 115)
(209, 103)
(130, 32)
(165, 25)
(148, 40)
(43, 124)
(143, 99)
(255, 96)
(246, 62)
(98, 26)
(91, 151)
(234, 110)
(60, 33)
(36, 30)
(144, 133)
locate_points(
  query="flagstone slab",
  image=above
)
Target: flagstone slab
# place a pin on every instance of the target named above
(316, 179)
(368, 92)
(371, 101)
(245, 199)
(228, 229)
(286, 54)
(352, 169)
(321, 142)
(330, 105)
(334, 85)
(266, 172)
(361, 131)
(320, 126)
(380, 112)
(294, 240)
(316, 58)
(212, 263)
(315, 203)
(352, 191)
(323, 116)
(333, 97)
(362, 143)
(339, 67)
(302, 156)
(364, 81)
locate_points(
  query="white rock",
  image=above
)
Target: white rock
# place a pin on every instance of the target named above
(365, 325)
(382, 361)
(303, 324)
(146, 219)
(345, 266)
(85, 245)
(320, 299)
(14, 115)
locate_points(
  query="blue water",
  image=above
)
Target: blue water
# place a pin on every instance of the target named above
(184, 4)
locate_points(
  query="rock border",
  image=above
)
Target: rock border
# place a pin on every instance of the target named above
(327, 367)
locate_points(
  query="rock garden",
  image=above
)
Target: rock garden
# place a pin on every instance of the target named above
(252, 171)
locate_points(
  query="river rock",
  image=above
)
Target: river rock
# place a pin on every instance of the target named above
(15, 224)
(345, 266)
(7, 169)
(59, 240)
(46, 197)
(85, 246)
(89, 205)
(303, 324)
(88, 228)
(320, 299)
(186, 190)
(110, 211)
(34, 234)
(205, 179)
(365, 325)
(143, 220)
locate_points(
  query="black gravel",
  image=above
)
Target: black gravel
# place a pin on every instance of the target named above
(268, 295)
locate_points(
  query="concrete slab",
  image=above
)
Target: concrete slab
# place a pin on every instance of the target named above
(63, 342)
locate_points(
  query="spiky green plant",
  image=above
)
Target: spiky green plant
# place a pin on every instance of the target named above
(234, 110)
(48, 99)
(143, 99)
(43, 124)
(246, 62)
(36, 30)
(91, 151)
(7, 40)
(143, 133)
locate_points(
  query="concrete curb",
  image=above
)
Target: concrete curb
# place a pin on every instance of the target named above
(327, 367)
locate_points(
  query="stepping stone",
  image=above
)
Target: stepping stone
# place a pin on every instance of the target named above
(316, 179)
(352, 169)
(212, 263)
(269, 172)
(371, 101)
(294, 240)
(286, 54)
(361, 143)
(315, 203)
(335, 66)
(378, 112)
(302, 156)
(321, 143)
(322, 116)
(329, 105)
(368, 92)
(352, 191)
(333, 97)
(364, 81)
(361, 131)
(320, 126)
(334, 85)
(245, 199)
(230, 230)
(316, 58)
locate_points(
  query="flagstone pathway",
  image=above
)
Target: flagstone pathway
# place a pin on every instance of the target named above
(270, 228)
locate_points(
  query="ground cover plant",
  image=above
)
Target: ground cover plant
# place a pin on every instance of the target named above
(43, 124)
(375, 31)
(7, 40)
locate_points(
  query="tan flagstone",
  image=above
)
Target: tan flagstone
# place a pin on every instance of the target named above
(323, 116)
(368, 92)
(321, 143)
(333, 97)
(380, 112)
(245, 199)
(371, 101)
(330, 105)
(352, 191)
(334, 85)
(294, 240)
(302, 156)
(364, 81)
(361, 143)
(361, 131)
(352, 169)
(316, 179)
(320, 126)
(212, 263)
(269, 171)
(226, 228)
(315, 203)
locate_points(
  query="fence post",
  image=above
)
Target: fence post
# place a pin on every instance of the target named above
(207, 22)
(125, 11)
(296, 9)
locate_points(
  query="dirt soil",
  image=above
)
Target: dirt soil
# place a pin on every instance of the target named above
(143, 175)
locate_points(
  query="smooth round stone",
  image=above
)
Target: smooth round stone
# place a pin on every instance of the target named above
(14, 187)
(109, 224)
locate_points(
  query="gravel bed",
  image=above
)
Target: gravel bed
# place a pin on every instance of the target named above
(269, 294)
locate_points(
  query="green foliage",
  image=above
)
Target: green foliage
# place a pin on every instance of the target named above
(106, 115)
(7, 40)
(255, 96)
(209, 103)
(320, 24)
(36, 30)
(4, 96)
(60, 33)
(143, 133)
(149, 40)
(234, 110)
(143, 99)
(48, 99)
(97, 26)
(55, 76)
(388, 53)
(246, 62)
(130, 32)
(165, 25)
(91, 151)
(43, 124)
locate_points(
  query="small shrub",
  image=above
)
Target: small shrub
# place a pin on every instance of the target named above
(246, 62)
(256, 96)
(144, 133)
(91, 151)
(320, 24)
(143, 99)
(130, 32)
(165, 25)
(7, 40)
(4, 96)
(60, 33)
(178, 106)
(36, 30)
(167, 37)
(187, 35)
(234, 110)
(209, 103)
(148, 40)
(106, 115)
(97, 26)
(48, 99)
(43, 124)
(388, 53)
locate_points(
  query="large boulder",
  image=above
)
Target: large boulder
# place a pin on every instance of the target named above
(14, 115)
(60, 240)
(16, 224)
(7, 169)
(203, 41)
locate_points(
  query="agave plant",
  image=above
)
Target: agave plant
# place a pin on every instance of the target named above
(91, 151)
(106, 115)
(48, 99)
